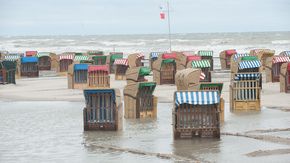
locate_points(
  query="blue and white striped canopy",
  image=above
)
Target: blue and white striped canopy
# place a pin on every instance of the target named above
(236, 56)
(287, 53)
(155, 54)
(248, 76)
(196, 97)
(249, 64)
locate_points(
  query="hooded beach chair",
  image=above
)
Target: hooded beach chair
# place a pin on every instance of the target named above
(225, 58)
(207, 55)
(45, 60)
(140, 101)
(8, 71)
(153, 56)
(245, 91)
(136, 60)
(137, 74)
(77, 76)
(196, 113)
(99, 60)
(111, 59)
(14, 58)
(187, 79)
(273, 67)
(98, 76)
(285, 78)
(104, 110)
(121, 66)
(164, 69)
(29, 67)
(65, 60)
(263, 55)
(182, 59)
(204, 65)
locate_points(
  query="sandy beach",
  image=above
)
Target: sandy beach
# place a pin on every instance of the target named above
(252, 136)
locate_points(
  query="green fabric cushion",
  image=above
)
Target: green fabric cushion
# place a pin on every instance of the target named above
(114, 57)
(147, 84)
(144, 71)
(168, 61)
(249, 58)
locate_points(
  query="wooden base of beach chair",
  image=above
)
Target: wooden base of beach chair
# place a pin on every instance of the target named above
(120, 77)
(222, 110)
(62, 73)
(191, 133)
(150, 114)
(80, 86)
(246, 105)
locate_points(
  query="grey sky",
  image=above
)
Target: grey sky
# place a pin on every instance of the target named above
(49, 17)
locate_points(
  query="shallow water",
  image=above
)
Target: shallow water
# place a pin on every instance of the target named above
(53, 132)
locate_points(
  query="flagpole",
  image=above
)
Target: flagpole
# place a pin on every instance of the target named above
(169, 30)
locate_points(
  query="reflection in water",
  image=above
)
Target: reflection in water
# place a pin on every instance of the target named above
(53, 132)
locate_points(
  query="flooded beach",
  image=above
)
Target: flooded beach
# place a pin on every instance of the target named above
(46, 131)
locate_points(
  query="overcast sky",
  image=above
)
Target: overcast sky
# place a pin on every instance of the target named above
(82, 17)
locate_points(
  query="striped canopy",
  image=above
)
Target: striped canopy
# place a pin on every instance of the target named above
(98, 68)
(11, 57)
(202, 76)
(279, 59)
(249, 64)
(196, 97)
(237, 56)
(287, 53)
(43, 54)
(200, 64)
(155, 54)
(121, 62)
(248, 76)
(140, 55)
(81, 58)
(205, 53)
(193, 58)
(71, 57)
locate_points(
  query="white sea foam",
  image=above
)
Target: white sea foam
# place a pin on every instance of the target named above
(281, 42)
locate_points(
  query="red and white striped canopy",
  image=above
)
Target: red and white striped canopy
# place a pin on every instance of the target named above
(66, 57)
(98, 68)
(121, 62)
(279, 59)
(140, 55)
(202, 76)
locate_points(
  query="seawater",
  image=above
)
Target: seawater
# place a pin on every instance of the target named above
(52, 131)
(217, 42)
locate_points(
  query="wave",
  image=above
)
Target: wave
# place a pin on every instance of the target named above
(281, 42)
(121, 43)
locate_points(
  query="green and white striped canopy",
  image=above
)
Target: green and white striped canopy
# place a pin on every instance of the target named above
(11, 57)
(43, 54)
(81, 58)
(205, 53)
(200, 64)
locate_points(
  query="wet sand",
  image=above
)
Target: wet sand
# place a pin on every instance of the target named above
(41, 121)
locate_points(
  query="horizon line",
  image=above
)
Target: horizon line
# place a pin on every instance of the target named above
(107, 34)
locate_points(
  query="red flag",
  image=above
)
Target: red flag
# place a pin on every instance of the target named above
(162, 15)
